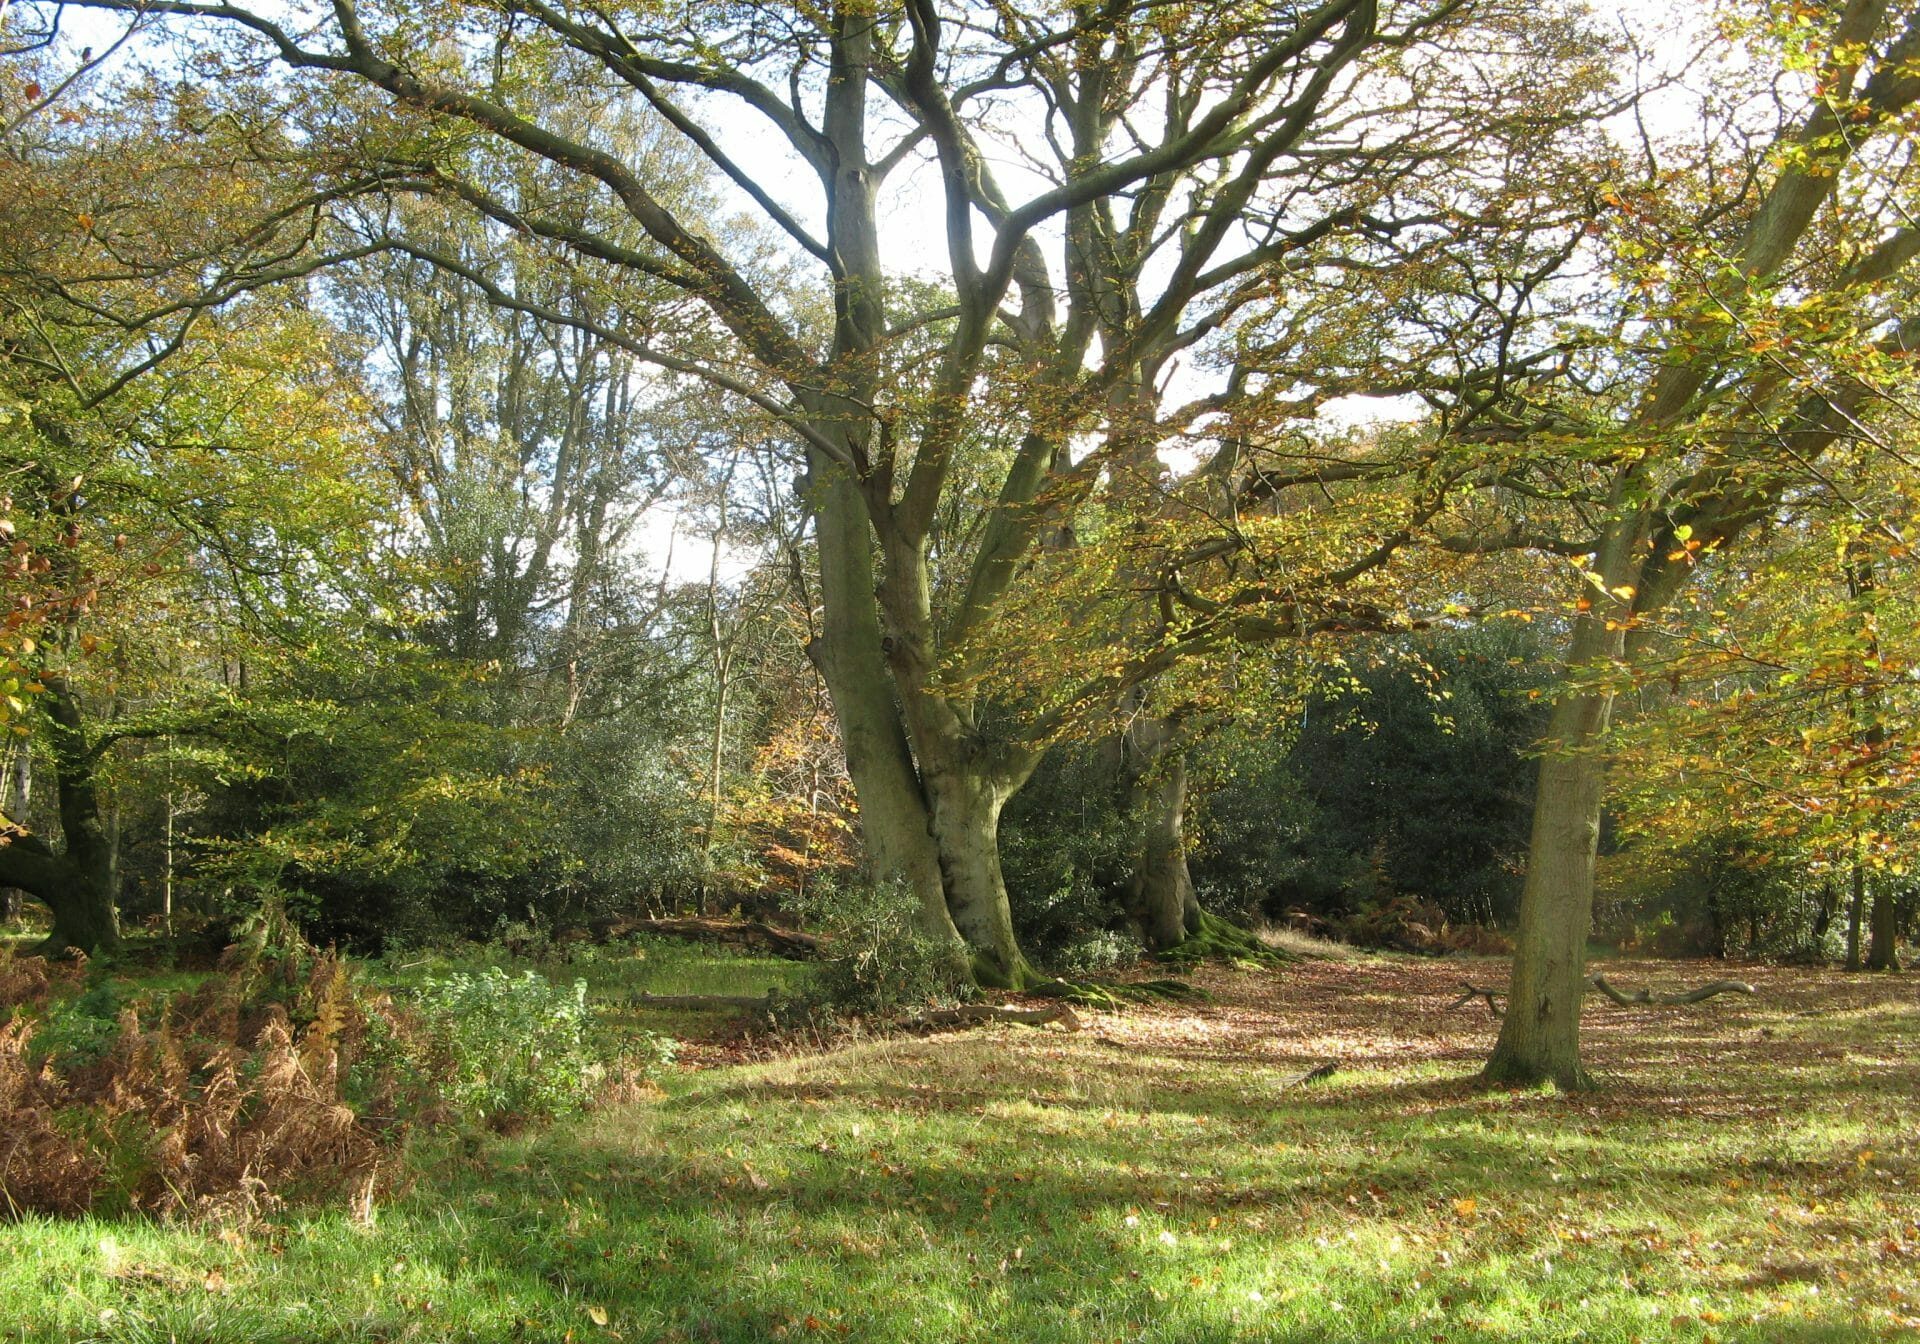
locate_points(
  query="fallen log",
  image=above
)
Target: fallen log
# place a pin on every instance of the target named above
(971, 1014)
(734, 1002)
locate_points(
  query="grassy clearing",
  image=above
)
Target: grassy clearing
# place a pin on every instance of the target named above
(619, 972)
(1750, 1175)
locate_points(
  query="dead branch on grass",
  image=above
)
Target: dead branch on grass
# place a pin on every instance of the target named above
(1637, 998)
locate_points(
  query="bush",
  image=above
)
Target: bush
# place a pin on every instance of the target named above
(1100, 953)
(215, 1101)
(511, 1047)
(81, 1030)
(875, 961)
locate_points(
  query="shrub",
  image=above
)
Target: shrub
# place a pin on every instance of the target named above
(511, 1047)
(1099, 953)
(211, 1102)
(80, 1031)
(875, 962)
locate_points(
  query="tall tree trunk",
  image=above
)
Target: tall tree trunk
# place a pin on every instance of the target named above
(84, 917)
(1823, 916)
(1885, 926)
(1856, 911)
(1540, 1035)
(966, 828)
(1160, 894)
(77, 880)
(894, 820)
(81, 896)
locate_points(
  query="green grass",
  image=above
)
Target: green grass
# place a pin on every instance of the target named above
(618, 972)
(1750, 1174)
(614, 971)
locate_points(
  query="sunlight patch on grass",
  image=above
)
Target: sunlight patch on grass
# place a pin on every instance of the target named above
(1142, 1180)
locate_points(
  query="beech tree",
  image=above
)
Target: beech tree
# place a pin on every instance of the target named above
(1782, 703)
(1762, 325)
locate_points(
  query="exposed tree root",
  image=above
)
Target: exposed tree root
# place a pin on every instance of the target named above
(1625, 998)
(1119, 994)
(972, 1014)
(1321, 1074)
(1218, 939)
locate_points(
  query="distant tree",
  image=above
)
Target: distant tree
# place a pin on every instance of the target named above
(173, 444)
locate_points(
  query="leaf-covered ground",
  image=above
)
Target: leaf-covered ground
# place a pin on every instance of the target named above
(1749, 1173)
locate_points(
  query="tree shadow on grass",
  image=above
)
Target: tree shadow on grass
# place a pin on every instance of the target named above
(1037, 1187)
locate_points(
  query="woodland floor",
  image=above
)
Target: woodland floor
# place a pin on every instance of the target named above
(1751, 1171)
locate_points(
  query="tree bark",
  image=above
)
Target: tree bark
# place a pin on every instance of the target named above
(1160, 890)
(966, 828)
(1885, 927)
(1823, 915)
(75, 883)
(1540, 1034)
(894, 820)
(1856, 912)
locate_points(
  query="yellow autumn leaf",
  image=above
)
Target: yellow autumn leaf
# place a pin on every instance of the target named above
(598, 1315)
(1466, 1207)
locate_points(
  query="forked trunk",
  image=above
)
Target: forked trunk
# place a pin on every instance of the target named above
(894, 821)
(966, 828)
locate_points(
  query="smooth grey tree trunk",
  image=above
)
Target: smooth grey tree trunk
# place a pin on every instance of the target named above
(895, 822)
(966, 825)
(1160, 894)
(1540, 1035)
(1882, 955)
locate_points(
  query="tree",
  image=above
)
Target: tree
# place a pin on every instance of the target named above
(160, 458)
(1777, 702)
(1771, 332)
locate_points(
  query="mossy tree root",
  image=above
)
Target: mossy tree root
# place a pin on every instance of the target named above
(1218, 939)
(1115, 995)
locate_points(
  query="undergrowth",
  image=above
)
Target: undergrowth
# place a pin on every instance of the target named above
(281, 1074)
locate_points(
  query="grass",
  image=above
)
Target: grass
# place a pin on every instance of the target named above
(617, 973)
(613, 972)
(1749, 1174)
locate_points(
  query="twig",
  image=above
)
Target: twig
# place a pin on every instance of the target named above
(1470, 991)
